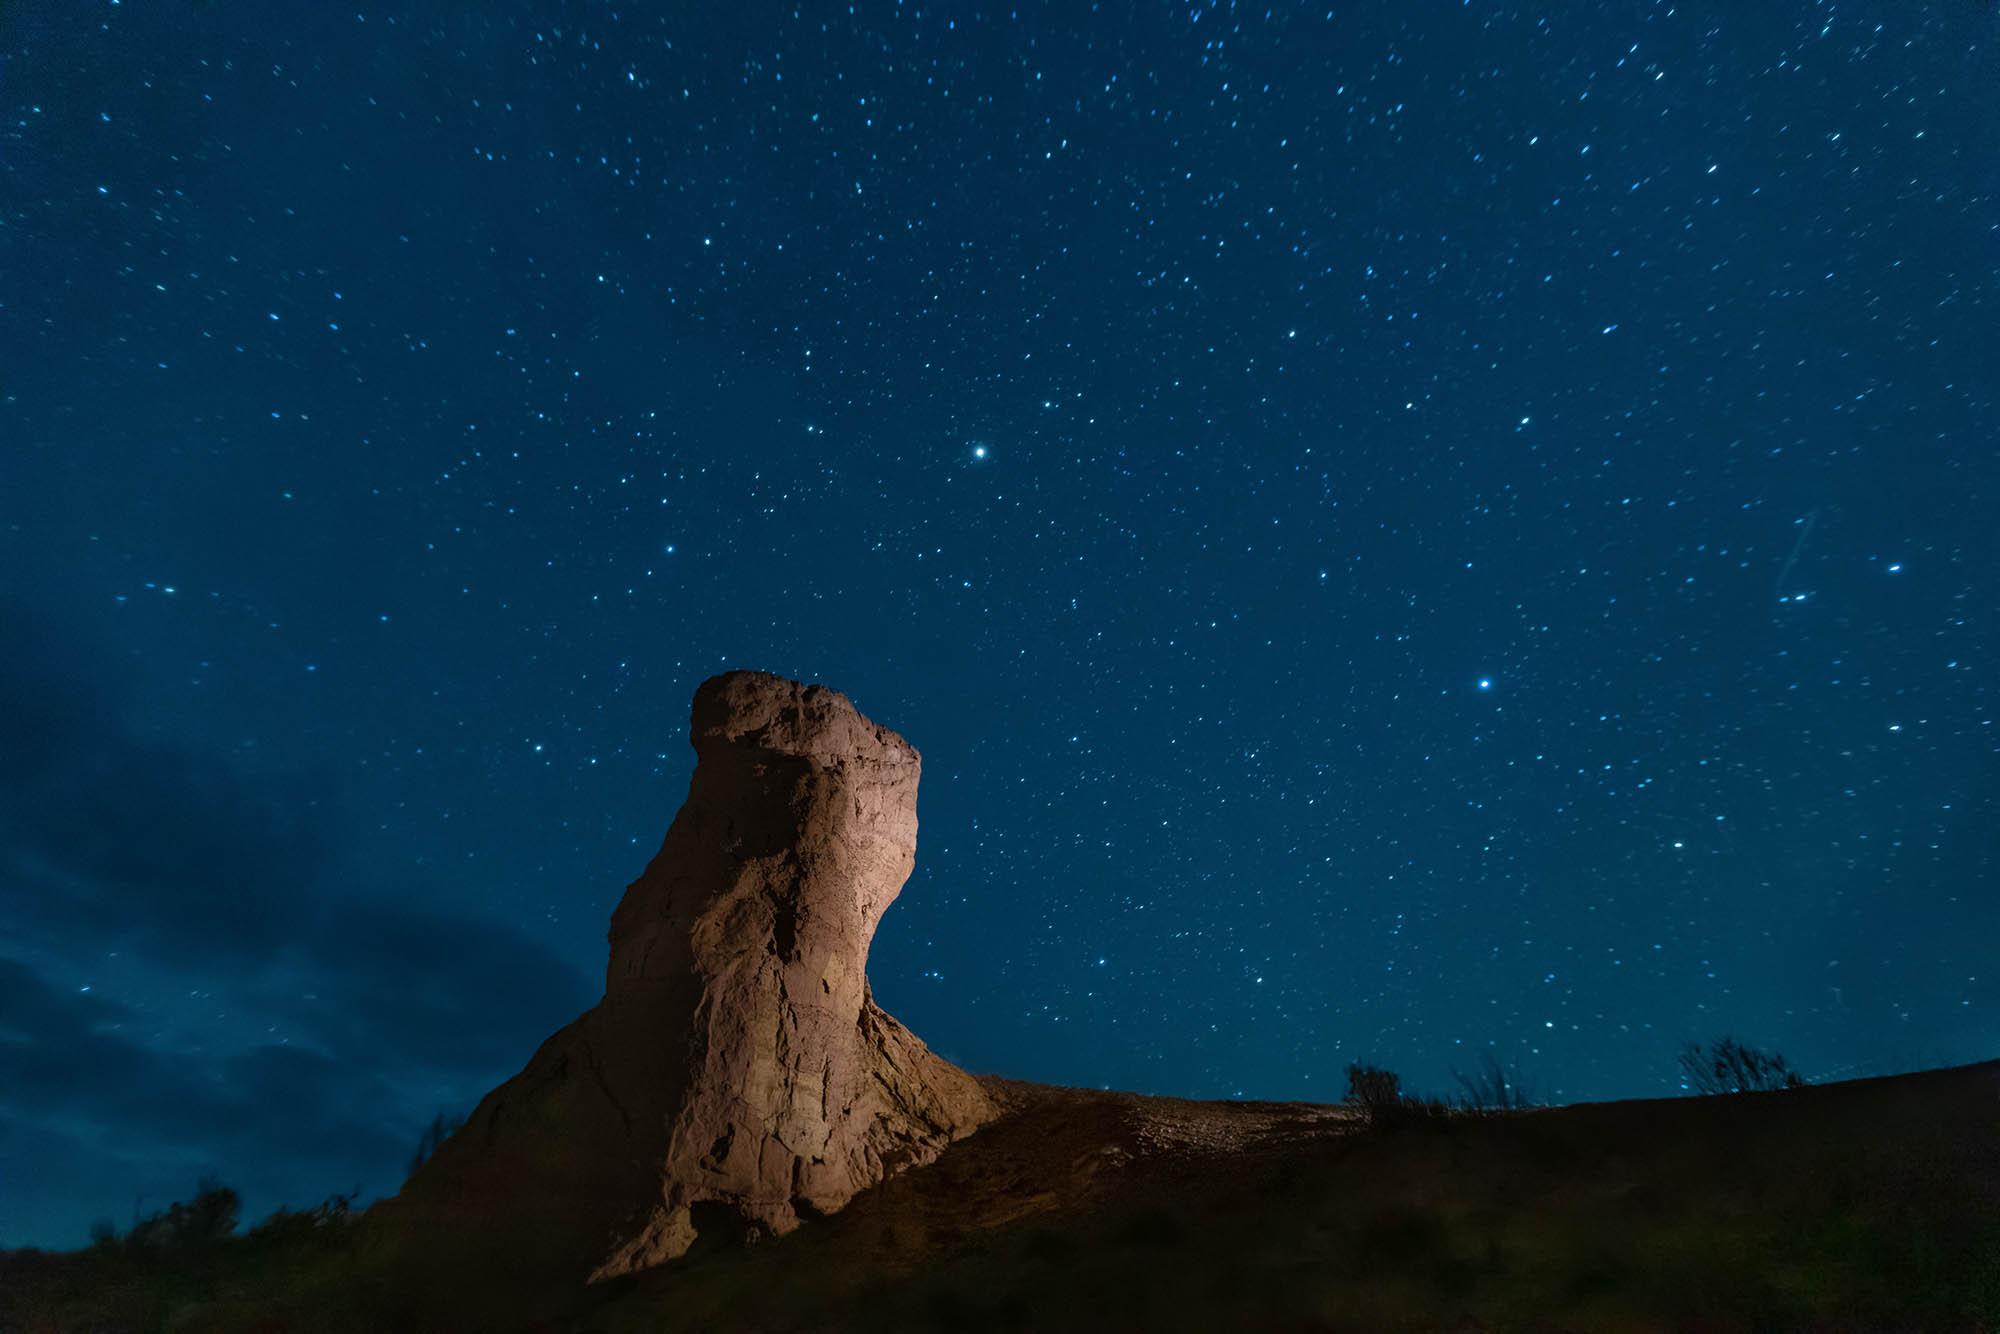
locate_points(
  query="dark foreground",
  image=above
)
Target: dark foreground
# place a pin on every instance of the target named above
(1861, 1206)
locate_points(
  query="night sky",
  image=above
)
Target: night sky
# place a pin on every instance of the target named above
(1401, 532)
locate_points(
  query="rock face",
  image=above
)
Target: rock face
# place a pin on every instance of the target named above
(738, 1073)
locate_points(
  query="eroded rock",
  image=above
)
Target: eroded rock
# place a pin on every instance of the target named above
(738, 1073)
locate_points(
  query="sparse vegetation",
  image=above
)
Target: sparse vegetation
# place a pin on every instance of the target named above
(1729, 1066)
(1492, 1087)
(1374, 1090)
(1379, 1094)
(202, 1221)
(183, 1257)
(440, 1129)
(334, 1214)
(1870, 1211)
(210, 1217)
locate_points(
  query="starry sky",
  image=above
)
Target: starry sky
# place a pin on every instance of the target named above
(1403, 532)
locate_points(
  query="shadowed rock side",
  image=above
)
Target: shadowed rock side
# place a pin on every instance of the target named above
(737, 1074)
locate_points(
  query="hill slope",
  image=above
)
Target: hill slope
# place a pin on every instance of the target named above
(1867, 1205)
(1871, 1204)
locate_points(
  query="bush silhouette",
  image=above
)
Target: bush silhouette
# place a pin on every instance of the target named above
(1375, 1091)
(1491, 1088)
(1379, 1094)
(202, 1221)
(331, 1215)
(440, 1129)
(1729, 1066)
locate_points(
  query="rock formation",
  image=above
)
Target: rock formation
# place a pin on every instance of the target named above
(738, 1073)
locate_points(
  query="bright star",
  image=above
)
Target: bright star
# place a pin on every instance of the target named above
(1485, 683)
(979, 451)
